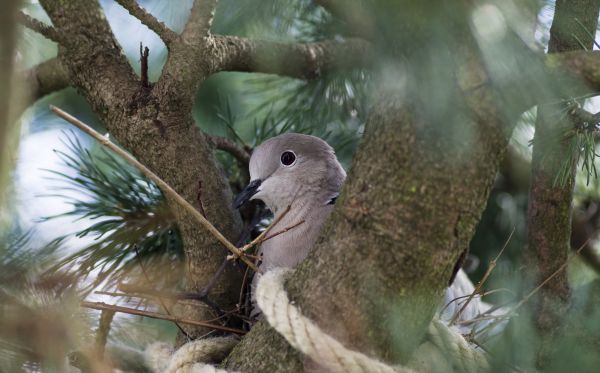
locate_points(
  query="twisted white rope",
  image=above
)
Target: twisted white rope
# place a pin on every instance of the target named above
(306, 336)
(191, 357)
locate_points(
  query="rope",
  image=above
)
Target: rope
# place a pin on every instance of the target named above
(307, 337)
(191, 357)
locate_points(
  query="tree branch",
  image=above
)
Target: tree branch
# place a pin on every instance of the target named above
(154, 315)
(164, 187)
(39, 27)
(201, 17)
(157, 127)
(353, 14)
(550, 202)
(166, 34)
(225, 144)
(297, 60)
(46, 77)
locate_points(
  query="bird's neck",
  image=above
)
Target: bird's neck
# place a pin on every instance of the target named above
(294, 234)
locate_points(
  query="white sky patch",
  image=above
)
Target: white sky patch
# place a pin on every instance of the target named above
(36, 153)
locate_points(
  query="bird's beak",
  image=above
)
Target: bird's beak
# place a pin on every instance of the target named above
(245, 195)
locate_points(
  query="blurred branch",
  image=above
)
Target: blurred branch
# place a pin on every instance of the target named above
(553, 170)
(352, 13)
(585, 224)
(584, 66)
(231, 147)
(297, 60)
(201, 17)
(8, 37)
(46, 77)
(166, 34)
(39, 27)
(132, 311)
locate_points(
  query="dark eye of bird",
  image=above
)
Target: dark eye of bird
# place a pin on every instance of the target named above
(287, 158)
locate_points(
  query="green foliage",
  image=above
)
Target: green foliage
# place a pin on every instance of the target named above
(133, 223)
(37, 318)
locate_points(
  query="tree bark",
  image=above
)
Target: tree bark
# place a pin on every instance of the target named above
(550, 200)
(156, 126)
(406, 214)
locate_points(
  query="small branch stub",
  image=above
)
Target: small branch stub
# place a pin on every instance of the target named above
(144, 53)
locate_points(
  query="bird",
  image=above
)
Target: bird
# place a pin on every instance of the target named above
(301, 172)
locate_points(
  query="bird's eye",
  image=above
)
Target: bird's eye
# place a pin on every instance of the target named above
(288, 158)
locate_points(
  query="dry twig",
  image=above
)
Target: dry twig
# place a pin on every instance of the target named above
(482, 281)
(154, 315)
(166, 188)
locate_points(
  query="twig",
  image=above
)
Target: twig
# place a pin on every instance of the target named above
(229, 146)
(163, 305)
(526, 298)
(199, 199)
(143, 291)
(483, 280)
(144, 66)
(480, 295)
(560, 269)
(166, 188)
(260, 237)
(154, 315)
(266, 238)
(39, 27)
(165, 33)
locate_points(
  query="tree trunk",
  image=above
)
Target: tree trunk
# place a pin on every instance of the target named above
(407, 212)
(550, 199)
(156, 126)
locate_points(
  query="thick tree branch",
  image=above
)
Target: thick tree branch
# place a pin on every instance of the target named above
(581, 66)
(157, 127)
(201, 17)
(47, 77)
(165, 33)
(297, 60)
(225, 144)
(39, 27)
(353, 14)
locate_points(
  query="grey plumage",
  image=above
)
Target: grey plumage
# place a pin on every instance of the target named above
(299, 171)
(308, 185)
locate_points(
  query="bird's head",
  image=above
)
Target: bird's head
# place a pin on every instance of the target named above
(292, 166)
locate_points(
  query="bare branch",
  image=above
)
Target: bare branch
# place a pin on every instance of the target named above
(166, 188)
(39, 27)
(144, 53)
(201, 17)
(297, 60)
(225, 144)
(166, 34)
(154, 315)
